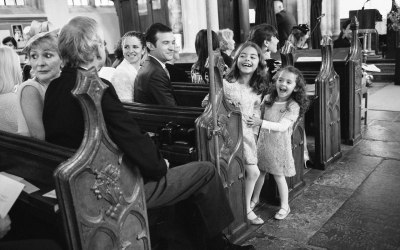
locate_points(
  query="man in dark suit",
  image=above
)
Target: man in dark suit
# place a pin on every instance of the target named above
(153, 84)
(64, 125)
(285, 22)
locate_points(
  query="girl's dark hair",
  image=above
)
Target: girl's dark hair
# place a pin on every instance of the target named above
(259, 79)
(202, 49)
(299, 96)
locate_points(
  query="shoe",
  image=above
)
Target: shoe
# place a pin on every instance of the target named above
(282, 213)
(309, 164)
(253, 204)
(231, 246)
(255, 221)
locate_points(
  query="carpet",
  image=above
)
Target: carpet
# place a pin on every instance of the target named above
(387, 98)
(370, 218)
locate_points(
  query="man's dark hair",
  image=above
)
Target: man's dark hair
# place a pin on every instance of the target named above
(10, 39)
(154, 29)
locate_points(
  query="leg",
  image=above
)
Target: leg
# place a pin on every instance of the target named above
(284, 195)
(200, 182)
(283, 190)
(258, 187)
(252, 174)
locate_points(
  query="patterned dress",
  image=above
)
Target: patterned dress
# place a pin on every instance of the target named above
(248, 101)
(275, 148)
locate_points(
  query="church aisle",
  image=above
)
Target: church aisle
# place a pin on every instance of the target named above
(353, 204)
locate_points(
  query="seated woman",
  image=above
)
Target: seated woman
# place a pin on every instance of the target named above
(10, 78)
(299, 36)
(265, 36)
(10, 42)
(344, 39)
(227, 45)
(44, 57)
(133, 45)
(199, 70)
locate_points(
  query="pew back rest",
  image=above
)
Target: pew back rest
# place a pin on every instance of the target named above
(101, 196)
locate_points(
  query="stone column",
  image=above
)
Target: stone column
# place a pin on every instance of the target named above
(194, 19)
(303, 11)
(244, 19)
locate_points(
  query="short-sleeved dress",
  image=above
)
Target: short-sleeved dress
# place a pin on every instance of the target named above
(22, 125)
(275, 148)
(248, 102)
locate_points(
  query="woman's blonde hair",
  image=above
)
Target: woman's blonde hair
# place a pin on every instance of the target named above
(10, 70)
(225, 37)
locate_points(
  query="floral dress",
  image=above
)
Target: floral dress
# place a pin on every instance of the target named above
(275, 148)
(248, 101)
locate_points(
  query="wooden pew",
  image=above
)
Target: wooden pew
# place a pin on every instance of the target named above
(101, 200)
(347, 64)
(189, 94)
(147, 117)
(231, 156)
(101, 195)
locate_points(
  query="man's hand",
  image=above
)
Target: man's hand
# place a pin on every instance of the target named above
(5, 225)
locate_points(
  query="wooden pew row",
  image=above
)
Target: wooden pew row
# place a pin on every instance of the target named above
(347, 63)
(189, 94)
(234, 182)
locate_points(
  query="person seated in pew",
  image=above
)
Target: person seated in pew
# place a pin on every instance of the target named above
(299, 36)
(265, 36)
(10, 78)
(64, 125)
(344, 39)
(153, 83)
(133, 46)
(227, 45)
(10, 42)
(34, 244)
(44, 58)
(199, 71)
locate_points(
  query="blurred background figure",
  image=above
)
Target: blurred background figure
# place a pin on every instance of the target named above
(344, 39)
(118, 55)
(10, 42)
(299, 36)
(199, 71)
(285, 21)
(265, 36)
(227, 45)
(10, 78)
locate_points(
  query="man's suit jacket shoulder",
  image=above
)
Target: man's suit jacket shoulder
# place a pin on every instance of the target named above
(152, 85)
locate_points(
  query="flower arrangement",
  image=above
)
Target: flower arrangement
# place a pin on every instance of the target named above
(394, 17)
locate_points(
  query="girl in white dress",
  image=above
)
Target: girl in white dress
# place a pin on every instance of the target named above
(133, 45)
(243, 87)
(284, 103)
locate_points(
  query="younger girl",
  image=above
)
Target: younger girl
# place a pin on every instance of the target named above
(243, 87)
(285, 102)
